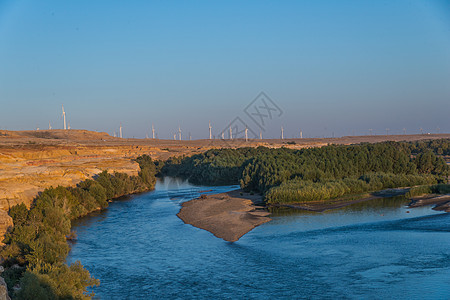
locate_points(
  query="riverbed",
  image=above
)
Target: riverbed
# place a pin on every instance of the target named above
(140, 249)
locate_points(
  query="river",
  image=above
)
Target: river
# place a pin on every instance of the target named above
(140, 249)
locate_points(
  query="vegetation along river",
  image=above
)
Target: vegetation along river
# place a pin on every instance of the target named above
(140, 249)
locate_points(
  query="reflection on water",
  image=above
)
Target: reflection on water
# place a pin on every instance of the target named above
(139, 249)
(387, 204)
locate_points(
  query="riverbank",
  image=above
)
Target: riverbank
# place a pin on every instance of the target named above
(227, 215)
(440, 202)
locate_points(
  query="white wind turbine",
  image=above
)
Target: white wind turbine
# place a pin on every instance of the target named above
(231, 134)
(210, 134)
(49, 126)
(153, 131)
(64, 117)
(120, 130)
(179, 133)
(282, 133)
(246, 134)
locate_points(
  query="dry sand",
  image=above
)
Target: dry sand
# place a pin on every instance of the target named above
(228, 215)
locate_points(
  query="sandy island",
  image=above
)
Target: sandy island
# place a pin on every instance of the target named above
(228, 215)
(231, 215)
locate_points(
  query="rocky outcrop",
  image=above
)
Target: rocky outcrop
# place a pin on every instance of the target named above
(3, 287)
(6, 224)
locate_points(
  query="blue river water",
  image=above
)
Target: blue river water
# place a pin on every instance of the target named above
(140, 249)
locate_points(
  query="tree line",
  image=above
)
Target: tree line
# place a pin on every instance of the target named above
(36, 249)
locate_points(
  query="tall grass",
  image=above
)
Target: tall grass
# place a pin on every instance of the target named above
(297, 190)
(428, 189)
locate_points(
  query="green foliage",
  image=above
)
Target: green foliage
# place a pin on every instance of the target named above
(270, 169)
(148, 170)
(35, 286)
(57, 281)
(438, 147)
(19, 214)
(38, 241)
(418, 191)
(213, 167)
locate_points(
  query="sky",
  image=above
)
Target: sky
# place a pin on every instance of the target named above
(332, 68)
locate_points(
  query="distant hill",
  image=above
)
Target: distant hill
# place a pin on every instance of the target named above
(57, 134)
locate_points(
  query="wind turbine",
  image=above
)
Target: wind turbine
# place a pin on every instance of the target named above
(49, 126)
(68, 125)
(64, 116)
(153, 131)
(246, 134)
(231, 134)
(210, 135)
(120, 130)
(301, 134)
(223, 135)
(179, 132)
(175, 136)
(260, 135)
(282, 133)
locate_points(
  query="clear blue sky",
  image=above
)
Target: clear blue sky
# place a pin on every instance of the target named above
(331, 66)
